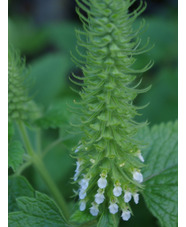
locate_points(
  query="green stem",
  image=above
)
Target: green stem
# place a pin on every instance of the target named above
(43, 171)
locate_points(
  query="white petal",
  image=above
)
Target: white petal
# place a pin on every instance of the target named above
(75, 176)
(84, 183)
(117, 191)
(137, 176)
(102, 182)
(82, 206)
(113, 208)
(94, 211)
(82, 194)
(141, 157)
(127, 196)
(125, 215)
(77, 149)
(99, 198)
(78, 164)
(136, 198)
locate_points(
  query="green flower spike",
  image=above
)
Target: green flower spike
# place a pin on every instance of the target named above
(20, 106)
(109, 160)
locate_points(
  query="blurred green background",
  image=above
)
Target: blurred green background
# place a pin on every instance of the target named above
(44, 32)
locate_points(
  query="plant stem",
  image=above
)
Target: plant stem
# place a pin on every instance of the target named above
(37, 161)
(51, 185)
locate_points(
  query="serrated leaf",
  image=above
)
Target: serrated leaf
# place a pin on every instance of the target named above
(15, 154)
(18, 186)
(160, 174)
(109, 220)
(37, 212)
(81, 217)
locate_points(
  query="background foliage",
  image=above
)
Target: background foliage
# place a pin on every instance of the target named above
(46, 35)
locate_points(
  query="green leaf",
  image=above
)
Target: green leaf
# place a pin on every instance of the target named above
(37, 212)
(56, 115)
(160, 174)
(25, 36)
(81, 217)
(15, 154)
(18, 186)
(109, 220)
(49, 75)
(10, 131)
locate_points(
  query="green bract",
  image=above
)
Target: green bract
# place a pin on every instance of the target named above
(109, 158)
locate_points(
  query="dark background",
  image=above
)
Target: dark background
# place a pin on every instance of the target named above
(43, 31)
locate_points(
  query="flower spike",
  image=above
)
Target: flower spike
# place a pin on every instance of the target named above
(111, 155)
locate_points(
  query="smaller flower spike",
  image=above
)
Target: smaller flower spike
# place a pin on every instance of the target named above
(99, 198)
(102, 182)
(127, 196)
(117, 191)
(94, 209)
(113, 208)
(137, 176)
(136, 198)
(125, 215)
(82, 206)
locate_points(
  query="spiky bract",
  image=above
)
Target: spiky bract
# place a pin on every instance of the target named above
(108, 155)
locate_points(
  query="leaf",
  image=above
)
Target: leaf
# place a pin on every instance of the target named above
(15, 154)
(49, 75)
(81, 217)
(18, 186)
(10, 131)
(56, 115)
(160, 174)
(109, 220)
(37, 212)
(25, 36)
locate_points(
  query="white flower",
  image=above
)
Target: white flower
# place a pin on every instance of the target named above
(102, 182)
(125, 215)
(117, 191)
(78, 164)
(82, 206)
(76, 176)
(127, 196)
(84, 183)
(137, 176)
(99, 198)
(77, 149)
(82, 194)
(141, 157)
(94, 210)
(113, 208)
(136, 198)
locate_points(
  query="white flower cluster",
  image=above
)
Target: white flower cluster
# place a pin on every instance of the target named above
(114, 202)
